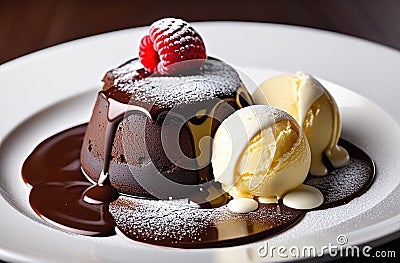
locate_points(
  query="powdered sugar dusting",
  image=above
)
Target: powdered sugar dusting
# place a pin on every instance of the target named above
(159, 220)
(172, 23)
(214, 80)
(343, 184)
(167, 27)
(176, 223)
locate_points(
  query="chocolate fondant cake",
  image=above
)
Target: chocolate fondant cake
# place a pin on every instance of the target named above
(150, 136)
(150, 114)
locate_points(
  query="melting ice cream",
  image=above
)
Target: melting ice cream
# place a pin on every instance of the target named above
(314, 108)
(259, 152)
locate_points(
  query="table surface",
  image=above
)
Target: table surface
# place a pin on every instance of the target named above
(28, 26)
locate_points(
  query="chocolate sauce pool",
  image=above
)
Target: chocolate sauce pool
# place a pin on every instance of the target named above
(53, 170)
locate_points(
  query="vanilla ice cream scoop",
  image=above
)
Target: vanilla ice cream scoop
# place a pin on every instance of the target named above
(259, 152)
(314, 108)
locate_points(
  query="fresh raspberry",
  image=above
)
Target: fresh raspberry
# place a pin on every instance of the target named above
(148, 56)
(171, 46)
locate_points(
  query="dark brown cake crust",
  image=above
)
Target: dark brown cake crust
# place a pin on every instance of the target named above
(144, 147)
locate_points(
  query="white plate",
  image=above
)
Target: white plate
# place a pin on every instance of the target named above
(63, 80)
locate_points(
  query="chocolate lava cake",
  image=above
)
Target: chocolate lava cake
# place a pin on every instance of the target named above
(150, 136)
(160, 123)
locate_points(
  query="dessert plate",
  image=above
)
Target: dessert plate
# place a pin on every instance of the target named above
(54, 89)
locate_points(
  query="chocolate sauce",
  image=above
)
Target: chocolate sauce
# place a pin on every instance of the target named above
(103, 191)
(177, 224)
(53, 170)
(211, 196)
(341, 185)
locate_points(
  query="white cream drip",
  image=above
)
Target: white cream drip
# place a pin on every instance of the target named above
(303, 197)
(308, 91)
(242, 205)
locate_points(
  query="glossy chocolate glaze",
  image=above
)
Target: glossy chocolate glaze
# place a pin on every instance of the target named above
(103, 191)
(53, 170)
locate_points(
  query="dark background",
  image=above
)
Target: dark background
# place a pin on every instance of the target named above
(27, 26)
